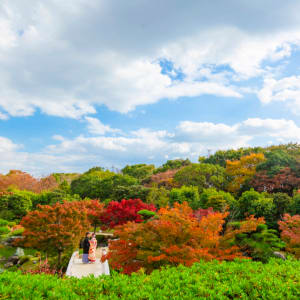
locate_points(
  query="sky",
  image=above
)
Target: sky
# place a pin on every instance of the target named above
(110, 83)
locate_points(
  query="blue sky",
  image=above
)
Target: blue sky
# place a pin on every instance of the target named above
(110, 83)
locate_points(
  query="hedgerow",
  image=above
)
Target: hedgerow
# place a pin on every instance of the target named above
(204, 280)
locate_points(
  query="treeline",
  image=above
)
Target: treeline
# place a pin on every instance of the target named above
(259, 181)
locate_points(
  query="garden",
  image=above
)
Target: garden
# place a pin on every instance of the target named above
(225, 227)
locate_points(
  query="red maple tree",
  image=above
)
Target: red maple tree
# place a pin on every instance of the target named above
(24, 181)
(95, 210)
(285, 181)
(118, 213)
(57, 228)
(174, 237)
(290, 233)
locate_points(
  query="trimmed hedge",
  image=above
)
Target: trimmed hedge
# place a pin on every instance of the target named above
(205, 280)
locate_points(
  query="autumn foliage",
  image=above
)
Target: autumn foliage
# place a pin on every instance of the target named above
(174, 237)
(290, 233)
(95, 211)
(242, 170)
(118, 213)
(284, 181)
(24, 181)
(55, 229)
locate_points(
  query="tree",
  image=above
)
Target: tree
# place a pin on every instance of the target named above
(201, 175)
(218, 200)
(163, 179)
(18, 203)
(173, 164)
(259, 244)
(24, 181)
(285, 181)
(221, 156)
(55, 229)
(174, 237)
(257, 204)
(290, 233)
(130, 192)
(242, 170)
(112, 187)
(277, 160)
(158, 196)
(95, 211)
(294, 209)
(118, 213)
(87, 185)
(139, 171)
(187, 194)
(282, 203)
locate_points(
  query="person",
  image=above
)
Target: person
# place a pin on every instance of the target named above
(86, 248)
(92, 250)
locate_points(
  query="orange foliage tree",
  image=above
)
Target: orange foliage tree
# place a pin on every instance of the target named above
(24, 181)
(242, 170)
(95, 211)
(163, 179)
(290, 233)
(174, 237)
(55, 229)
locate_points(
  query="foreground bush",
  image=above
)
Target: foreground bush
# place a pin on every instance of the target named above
(213, 280)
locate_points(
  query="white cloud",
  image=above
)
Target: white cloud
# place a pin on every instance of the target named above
(189, 139)
(65, 58)
(285, 90)
(3, 116)
(95, 126)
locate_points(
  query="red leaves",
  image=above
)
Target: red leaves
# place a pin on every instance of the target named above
(290, 227)
(118, 213)
(24, 181)
(200, 213)
(174, 237)
(285, 181)
(55, 228)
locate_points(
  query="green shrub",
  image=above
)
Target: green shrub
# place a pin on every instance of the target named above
(3, 222)
(187, 194)
(259, 244)
(24, 259)
(214, 280)
(218, 200)
(17, 232)
(4, 230)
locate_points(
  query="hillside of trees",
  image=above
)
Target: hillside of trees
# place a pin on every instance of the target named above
(235, 204)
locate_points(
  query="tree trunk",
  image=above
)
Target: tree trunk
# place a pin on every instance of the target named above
(59, 258)
(95, 227)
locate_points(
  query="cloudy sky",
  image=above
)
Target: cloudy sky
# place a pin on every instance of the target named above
(110, 83)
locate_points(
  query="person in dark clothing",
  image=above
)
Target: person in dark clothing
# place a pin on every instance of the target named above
(86, 248)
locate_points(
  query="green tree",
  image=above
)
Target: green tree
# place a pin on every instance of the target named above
(172, 164)
(159, 196)
(277, 160)
(259, 244)
(87, 185)
(18, 203)
(139, 171)
(115, 187)
(218, 200)
(282, 203)
(201, 175)
(187, 194)
(257, 204)
(221, 156)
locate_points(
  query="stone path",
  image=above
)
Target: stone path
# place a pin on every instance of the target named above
(77, 269)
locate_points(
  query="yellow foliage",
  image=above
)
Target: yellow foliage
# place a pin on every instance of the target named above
(242, 170)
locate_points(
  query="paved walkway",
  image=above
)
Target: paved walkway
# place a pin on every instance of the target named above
(77, 269)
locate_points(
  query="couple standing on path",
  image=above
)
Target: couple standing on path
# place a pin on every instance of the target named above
(89, 248)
